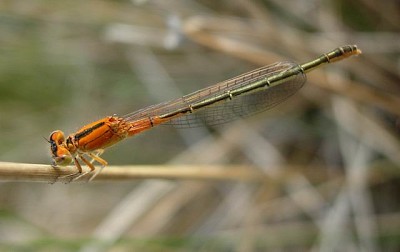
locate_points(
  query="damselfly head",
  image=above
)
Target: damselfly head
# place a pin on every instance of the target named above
(59, 152)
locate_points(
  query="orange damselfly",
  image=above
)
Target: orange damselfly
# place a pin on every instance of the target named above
(246, 94)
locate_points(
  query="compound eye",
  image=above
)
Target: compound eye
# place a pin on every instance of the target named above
(57, 137)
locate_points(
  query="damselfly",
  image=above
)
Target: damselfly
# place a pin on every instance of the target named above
(241, 96)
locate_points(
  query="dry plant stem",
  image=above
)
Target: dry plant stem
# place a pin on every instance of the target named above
(22, 172)
(46, 173)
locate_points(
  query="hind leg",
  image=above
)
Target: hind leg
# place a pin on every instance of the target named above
(89, 164)
(95, 157)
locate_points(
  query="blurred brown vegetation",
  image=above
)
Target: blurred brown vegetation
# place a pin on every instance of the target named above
(66, 63)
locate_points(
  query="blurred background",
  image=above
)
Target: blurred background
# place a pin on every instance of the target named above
(332, 151)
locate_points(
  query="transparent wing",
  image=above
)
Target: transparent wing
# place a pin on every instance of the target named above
(227, 110)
